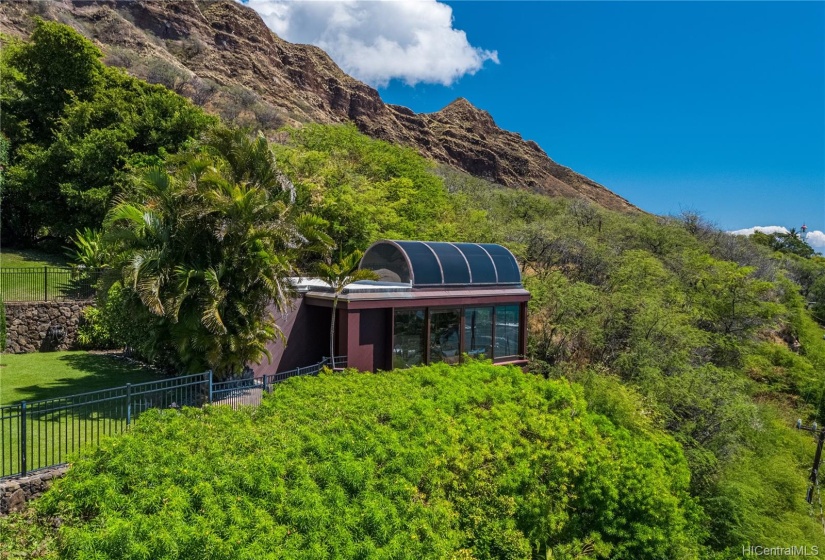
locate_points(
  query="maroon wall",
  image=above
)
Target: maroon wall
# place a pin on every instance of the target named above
(306, 329)
(367, 338)
(363, 332)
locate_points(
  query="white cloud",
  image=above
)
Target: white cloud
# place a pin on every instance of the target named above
(815, 238)
(377, 41)
(763, 229)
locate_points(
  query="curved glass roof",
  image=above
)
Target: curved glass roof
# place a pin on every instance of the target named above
(433, 263)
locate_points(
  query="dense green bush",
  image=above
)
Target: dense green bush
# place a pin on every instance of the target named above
(91, 334)
(107, 324)
(477, 461)
(74, 127)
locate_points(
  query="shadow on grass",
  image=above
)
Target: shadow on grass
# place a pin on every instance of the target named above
(101, 373)
(31, 257)
(57, 429)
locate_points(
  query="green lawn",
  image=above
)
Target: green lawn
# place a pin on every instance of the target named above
(23, 278)
(30, 258)
(55, 436)
(47, 375)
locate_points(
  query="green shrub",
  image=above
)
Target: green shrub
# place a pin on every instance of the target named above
(93, 332)
(476, 461)
(109, 325)
(22, 536)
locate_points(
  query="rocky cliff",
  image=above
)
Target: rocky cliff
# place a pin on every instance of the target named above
(221, 54)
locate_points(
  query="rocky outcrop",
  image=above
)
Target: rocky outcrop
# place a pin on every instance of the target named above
(222, 42)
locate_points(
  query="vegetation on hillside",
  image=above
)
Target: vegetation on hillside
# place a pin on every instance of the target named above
(74, 127)
(202, 249)
(671, 342)
(476, 461)
(366, 189)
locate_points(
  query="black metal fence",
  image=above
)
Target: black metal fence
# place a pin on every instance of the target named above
(48, 283)
(243, 392)
(41, 434)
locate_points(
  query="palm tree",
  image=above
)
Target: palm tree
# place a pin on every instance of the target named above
(250, 161)
(208, 246)
(340, 275)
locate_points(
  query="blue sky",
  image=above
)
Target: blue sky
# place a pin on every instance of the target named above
(709, 106)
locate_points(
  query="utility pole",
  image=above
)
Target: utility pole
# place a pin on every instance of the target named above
(814, 478)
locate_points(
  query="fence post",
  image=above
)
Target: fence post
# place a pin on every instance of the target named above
(45, 283)
(23, 466)
(210, 386)
(128, 403)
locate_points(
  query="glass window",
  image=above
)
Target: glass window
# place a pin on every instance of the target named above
(507, 327)
(408, 343)
(388, 262)
(478, 332)
(506, 266)
(445, 337)
(481, 263)
(453, 263)
(426, 269)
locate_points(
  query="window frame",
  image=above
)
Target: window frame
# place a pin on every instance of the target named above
(462, 310)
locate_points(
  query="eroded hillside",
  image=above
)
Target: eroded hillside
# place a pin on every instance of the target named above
(222, 56)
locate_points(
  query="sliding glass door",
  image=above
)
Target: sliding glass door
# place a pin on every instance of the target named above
(507, 332)
(409, 338)
(478, 332)
(445, 335)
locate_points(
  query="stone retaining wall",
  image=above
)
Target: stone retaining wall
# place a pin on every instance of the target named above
(16, 492)
(43, 325)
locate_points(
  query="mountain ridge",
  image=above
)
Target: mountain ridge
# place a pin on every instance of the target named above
(192, 44)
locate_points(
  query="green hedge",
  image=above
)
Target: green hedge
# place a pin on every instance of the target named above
(475, 461)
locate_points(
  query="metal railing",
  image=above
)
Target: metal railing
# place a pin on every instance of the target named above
(245, 392)
(40, 434)
(48, 284)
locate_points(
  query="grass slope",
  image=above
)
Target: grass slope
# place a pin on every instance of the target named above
(49, 375)
(30, 258)
(29, 284)
(53, 438)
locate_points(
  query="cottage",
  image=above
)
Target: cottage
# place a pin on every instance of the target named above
(433, 302)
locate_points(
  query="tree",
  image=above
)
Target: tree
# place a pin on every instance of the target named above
(204, 250)
(817, 295)
(366, 189)
(58, 65)
(75, 127)
(340, 275)
(791, 242)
